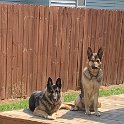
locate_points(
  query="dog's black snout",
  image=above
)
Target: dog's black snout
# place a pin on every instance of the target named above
(94, 67)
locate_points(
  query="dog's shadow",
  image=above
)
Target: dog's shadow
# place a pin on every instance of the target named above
(107, 117)
(30, 113)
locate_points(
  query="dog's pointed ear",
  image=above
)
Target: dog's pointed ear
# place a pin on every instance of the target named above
(49, 83)
(89, 52)
(58, 83)
(100, 53)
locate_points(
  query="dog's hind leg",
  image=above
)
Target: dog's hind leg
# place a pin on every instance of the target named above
(65, 106)
(43, 114)
(78, 104)
(96, 103)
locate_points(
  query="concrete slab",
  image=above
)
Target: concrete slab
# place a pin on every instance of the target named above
(112, 111)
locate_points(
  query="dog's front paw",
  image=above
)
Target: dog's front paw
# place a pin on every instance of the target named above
(54, 116)
(74, 108)
(88, 113)
(50, 117)
(97, 114)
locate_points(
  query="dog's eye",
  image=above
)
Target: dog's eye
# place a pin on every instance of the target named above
(92, 60)
(97, 61)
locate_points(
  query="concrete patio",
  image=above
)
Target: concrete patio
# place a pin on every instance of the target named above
(112, 112)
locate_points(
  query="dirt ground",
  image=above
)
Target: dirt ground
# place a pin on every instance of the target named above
(111, 86)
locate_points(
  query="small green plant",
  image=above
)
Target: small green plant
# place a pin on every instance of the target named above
(68, 97)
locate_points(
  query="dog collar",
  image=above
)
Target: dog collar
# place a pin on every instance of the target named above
(90, 76)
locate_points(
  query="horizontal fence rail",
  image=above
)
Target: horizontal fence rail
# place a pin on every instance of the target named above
(37, 42)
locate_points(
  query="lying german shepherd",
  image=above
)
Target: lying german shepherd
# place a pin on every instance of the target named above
(46, 103)
(91, 80)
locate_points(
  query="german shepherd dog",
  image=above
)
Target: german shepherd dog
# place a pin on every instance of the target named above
(91, 80)
(46, 103)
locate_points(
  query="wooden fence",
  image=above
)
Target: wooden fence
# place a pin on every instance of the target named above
(38, 42)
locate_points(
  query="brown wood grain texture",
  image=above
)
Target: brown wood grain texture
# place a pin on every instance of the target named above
(37, 42)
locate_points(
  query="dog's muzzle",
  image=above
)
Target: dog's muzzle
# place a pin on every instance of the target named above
(94, 67)
(55, 96)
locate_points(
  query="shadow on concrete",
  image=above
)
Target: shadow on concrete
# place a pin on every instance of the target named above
(115, 116)
(29, 112)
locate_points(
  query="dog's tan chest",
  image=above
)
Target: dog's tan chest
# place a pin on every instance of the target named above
(91, 86)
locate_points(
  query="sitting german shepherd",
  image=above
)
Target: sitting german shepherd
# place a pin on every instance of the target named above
(91, 80)
(46, 103)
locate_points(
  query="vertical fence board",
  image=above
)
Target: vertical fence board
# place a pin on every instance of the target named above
(54, 43)
(68, 48)
(39, 61)
(101, 37)
(118, 38)
(65, 41)
(77, 52)
(108, 46)
(99, 31)
(88, 25)
(1, 85)
(87, 35)
(9, 53)
(3, 48)
(93, 29)
(34, 50)
(121, 70)
(45, 39)
(112, 45)
(58, 42)
(63, 71)
(116, 46)
(15, 85)
(49, 46)
(35, 15)
(105, 42)
(30, 50)
(71, 45)
(40, 48)
(80, 45)
(25, 51)
(35, 44)
(20, 47)
(75, 47)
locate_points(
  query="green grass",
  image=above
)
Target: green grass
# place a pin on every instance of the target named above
(113, 91)
(68, 97)
(19, 104)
